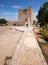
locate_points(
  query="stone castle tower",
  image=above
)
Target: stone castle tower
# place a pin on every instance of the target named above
(26, 15)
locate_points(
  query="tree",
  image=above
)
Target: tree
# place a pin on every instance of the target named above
(3, 21)
(46, 17)
(43, 14)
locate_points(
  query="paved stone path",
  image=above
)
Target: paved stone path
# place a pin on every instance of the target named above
(28, 51)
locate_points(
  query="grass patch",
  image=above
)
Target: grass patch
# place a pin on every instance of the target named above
(44, 34)
(7, 59)
(42, 44)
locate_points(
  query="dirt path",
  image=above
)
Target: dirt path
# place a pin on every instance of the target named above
(28, 51)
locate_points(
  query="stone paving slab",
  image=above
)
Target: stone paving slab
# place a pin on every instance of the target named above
(28, 51)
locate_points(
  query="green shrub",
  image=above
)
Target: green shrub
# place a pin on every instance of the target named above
(18, 25)
(14, 24)
(7, 58)
(3, 21)
(45, 35)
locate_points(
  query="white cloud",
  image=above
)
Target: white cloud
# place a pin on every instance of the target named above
(6, 13)
(1, 5)
(15, 6)
(9, 15)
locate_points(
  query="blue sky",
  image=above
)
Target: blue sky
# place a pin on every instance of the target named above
(9, 8)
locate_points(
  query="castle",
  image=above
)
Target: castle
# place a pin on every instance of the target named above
(25, 16)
